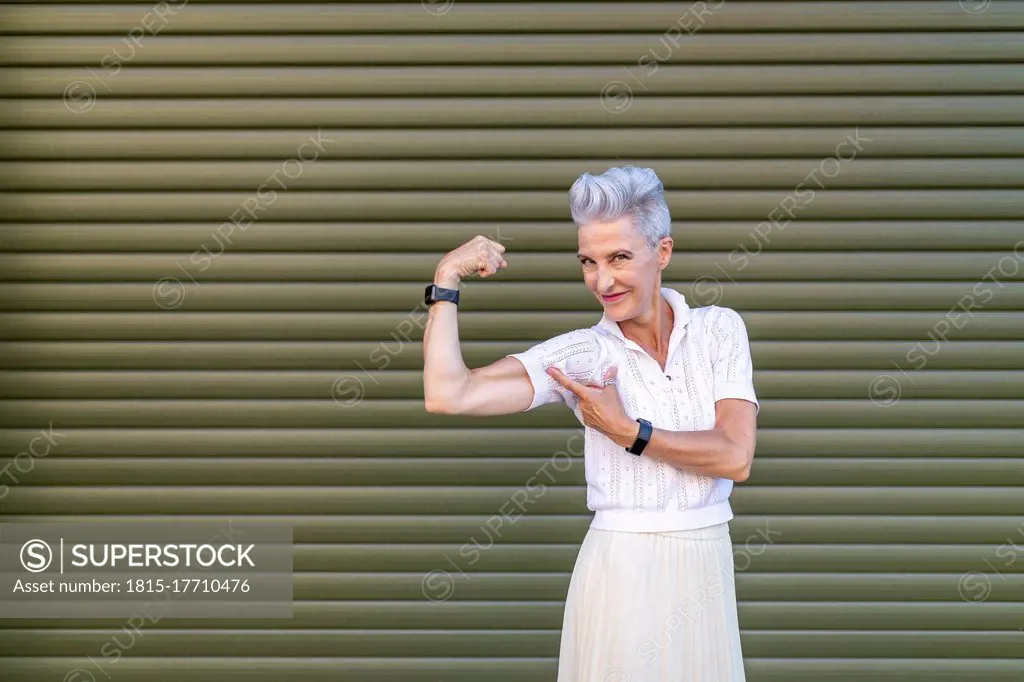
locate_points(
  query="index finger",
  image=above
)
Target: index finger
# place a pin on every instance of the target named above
(577, 388)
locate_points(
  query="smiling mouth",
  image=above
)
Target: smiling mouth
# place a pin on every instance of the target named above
(614, 297)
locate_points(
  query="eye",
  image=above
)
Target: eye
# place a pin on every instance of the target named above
(621, 256)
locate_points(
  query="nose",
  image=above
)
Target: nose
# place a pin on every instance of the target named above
(605, 281)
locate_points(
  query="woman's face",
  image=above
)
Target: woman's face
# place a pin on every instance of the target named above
(619, 268)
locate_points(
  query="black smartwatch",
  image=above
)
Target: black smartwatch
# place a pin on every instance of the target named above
(642, 438)
(435, 293)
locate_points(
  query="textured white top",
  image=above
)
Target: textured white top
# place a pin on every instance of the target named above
(708, 360)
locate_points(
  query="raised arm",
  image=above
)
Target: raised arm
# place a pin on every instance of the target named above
(449, 387)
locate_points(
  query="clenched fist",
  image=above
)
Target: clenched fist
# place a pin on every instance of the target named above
(480, 255)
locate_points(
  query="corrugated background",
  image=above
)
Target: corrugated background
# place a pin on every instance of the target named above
(276, 375)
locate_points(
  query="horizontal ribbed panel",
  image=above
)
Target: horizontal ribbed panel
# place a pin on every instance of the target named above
(542, 529)
(719, 235)
(498, 442)
(201, 265)
(752, 587)
(408, 384)
(421, 614)
(538, 586)
(502, 175)
(752, 205)
(168, 49)
(381, 296)
(514, 643)
(554, 111)
(312, 81)
(311, 669)
(1003, 326)
(298, 470)
(505, 17)
(383, 413)
(228, 500)
(491, 144)
(324, 355)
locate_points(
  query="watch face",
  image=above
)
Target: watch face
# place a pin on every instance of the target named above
(435, 293)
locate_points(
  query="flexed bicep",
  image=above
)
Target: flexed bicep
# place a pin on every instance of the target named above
(503, 387)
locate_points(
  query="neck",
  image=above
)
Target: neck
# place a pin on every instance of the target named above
(653, 329)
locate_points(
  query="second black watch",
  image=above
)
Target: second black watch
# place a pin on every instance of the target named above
(642, 438)
(434, 293)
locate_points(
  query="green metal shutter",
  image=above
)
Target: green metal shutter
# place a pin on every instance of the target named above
(880, 536)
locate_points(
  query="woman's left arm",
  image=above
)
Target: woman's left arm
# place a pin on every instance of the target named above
(725, 451)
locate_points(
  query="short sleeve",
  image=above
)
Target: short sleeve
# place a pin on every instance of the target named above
(730, 356)
(577, 354)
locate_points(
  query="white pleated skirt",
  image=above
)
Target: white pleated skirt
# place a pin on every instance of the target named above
(652, 607)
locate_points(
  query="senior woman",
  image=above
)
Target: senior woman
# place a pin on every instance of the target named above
(665, 393)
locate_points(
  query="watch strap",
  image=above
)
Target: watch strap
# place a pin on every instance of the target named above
(642, 438)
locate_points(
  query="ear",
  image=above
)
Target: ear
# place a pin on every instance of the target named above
(665, 252)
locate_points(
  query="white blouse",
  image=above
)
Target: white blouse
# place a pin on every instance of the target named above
(708, 360)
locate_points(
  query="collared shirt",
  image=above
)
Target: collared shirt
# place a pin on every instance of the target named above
(708, 360)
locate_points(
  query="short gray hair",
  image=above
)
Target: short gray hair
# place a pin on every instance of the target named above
(618, 192)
